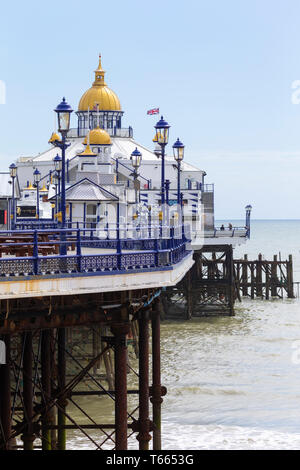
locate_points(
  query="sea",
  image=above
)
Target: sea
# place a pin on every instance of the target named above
(233, 382)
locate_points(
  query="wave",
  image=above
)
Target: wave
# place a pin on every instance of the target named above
(219, 437)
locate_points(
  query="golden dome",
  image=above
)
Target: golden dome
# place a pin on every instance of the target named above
(99, 137)
(99, 94)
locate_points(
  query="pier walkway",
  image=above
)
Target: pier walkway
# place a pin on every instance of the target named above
(33, 263)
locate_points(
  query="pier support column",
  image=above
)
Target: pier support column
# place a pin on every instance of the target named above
(61, 372)
(259, 290)
(5, 399)
(28, 436)
(189, 300)
(46, 386)
(53, 410)
(274, 281)
(156, 389)
(230, 275)
(290, 280)
(120, 332)
(245, 276)
(144, 423)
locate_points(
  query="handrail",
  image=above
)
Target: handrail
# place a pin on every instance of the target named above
(129, 169)
(145, 253)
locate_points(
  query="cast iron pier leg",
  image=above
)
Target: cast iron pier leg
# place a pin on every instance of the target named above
(156, 398)
(5, 397)
(61, 371)
(144, 424)
(120, 332)
(46, 384)
(28, 436)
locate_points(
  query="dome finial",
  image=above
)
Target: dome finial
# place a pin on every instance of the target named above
(100, 94)
(99, 66)
(99, 75)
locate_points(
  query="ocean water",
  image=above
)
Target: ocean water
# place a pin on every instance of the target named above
(233, 382)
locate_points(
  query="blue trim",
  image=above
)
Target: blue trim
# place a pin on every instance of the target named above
(86, 274)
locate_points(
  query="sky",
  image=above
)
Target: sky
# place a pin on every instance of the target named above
(222, 74)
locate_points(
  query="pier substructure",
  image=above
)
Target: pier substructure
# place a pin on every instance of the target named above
(263, 278)
(5, 397)
(207, 289)
(52, 363)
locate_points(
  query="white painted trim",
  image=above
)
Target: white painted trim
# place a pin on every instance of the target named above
(95, 284)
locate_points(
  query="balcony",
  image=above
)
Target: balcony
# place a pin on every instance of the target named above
(115, 132)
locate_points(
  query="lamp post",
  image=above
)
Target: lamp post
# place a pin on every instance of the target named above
(136, 160)
(58, 167)
(167, 186)
(13, 174)
(63, 111)
(178, 151)
(162, 136)
(248, 210)
(56, 183)
(37, 179)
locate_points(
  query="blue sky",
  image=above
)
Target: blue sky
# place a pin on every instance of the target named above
(221, 73)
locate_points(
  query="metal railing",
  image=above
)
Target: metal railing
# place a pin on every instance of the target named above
(36, 252)
(113, 132)
(119, 162)
(207, 188)
(31, 224)
(226, 232)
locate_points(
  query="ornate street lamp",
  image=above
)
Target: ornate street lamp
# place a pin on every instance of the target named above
(63, 111)
(58, 167)
(178, 151)
(162, 137)
(136, 160)
(57, 163)
(13, 174)
(37, 179)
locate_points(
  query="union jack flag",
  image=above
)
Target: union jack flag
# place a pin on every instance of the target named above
(153, 111)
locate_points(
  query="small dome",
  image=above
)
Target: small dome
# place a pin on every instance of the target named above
(99, 137)
(99, 95)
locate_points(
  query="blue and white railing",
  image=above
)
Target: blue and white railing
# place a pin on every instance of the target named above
(230, 232)
(29, 253)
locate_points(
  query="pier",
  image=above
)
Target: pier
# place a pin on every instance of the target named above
(110, 238)
(113, 298)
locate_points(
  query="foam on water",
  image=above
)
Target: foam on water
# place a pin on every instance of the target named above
(218, 437)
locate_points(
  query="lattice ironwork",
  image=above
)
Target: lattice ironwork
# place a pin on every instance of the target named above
(16, 267)
(99, 263)
(137, 260)
(54, 264)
